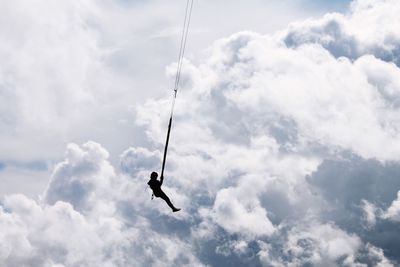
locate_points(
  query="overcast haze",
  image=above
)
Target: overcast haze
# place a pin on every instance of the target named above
(284, 150)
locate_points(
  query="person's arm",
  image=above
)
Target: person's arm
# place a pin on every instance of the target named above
(161, 180)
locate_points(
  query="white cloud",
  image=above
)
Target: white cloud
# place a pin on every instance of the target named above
(134, 160)
(71, 71)
(379, 258)
(393, 212)
(275, 143)
(321, 245)
(84, 178)
(369, 210)
(346, 35)
(89, 226)
(56, 234)
(265, 113)
(241, 213)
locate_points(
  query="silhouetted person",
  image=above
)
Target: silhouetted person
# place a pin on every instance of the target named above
(155, 185)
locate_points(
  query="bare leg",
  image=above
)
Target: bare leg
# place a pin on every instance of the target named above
(166, 199)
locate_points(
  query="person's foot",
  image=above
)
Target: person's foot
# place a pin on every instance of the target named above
(175, 210)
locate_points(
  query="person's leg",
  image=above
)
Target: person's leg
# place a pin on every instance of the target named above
(166, 199)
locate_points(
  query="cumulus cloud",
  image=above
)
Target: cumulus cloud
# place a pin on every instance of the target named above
(238, 214)
(83, 221)
(70, 72)
(83, 178)
(322, 245)
(306, 119)
(369, 213)
(284, 152)
(134, 160)
(393, 212)
(347, 36)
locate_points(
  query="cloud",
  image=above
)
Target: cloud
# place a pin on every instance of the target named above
(322, 245)
(356, 193)
(83, 178)
(71, 71)
(238, 214)
(346, 36)
(284, 152)
(310, 114)
(369, 213)
(134, 160)
(393, 212)
(77, 222)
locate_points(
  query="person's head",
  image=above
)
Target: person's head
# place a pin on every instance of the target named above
(153, 175)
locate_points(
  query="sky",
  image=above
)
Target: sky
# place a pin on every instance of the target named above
(94, 62)
(284, 149)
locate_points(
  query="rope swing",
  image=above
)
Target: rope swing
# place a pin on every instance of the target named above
(185, 31)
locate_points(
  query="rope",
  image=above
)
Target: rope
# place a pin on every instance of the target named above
(185, 31)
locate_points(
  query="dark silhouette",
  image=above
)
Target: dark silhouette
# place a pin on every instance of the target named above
(155, 185)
